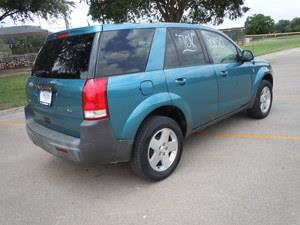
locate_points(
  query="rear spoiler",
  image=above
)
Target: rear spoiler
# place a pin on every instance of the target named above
(75, 32)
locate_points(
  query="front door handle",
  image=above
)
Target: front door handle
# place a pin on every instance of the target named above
(181, 81)
(223, 73)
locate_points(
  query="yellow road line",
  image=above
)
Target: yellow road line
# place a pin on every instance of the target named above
(13, 123)
(251, 136)
(287, 97)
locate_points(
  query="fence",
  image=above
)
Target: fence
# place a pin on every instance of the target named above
(17, 61)
(236, 34)
(258, 37)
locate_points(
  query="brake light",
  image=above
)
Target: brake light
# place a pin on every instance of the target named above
(95, 99)
(62, 35)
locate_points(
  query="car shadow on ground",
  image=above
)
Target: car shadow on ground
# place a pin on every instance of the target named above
(64, 172)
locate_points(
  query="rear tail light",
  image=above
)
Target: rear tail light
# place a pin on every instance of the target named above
(95, 99)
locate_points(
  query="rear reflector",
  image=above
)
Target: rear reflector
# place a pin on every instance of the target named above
(62, 150)
(95, 99)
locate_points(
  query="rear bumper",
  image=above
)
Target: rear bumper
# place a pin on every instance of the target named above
(96, 142)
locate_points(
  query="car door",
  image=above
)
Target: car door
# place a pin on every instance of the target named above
(234, 77)
(189, 75)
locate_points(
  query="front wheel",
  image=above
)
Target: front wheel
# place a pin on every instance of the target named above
(157, 148)
(263, 101)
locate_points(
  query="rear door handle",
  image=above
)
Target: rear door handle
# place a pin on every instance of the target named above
(223, 73)
(180, 81)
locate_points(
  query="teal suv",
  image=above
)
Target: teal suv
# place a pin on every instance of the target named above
(133, 92)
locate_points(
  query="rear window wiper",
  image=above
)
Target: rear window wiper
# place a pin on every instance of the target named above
(55, 74)
(66, 74)
(40, 72)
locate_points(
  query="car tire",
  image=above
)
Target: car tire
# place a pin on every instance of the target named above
(263, 101)
(157, 148)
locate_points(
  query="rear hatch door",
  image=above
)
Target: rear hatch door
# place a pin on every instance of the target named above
(54, 90)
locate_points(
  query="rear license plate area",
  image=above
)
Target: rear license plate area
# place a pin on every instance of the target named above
(46, 97)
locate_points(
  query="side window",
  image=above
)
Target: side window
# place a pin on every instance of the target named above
(187, 46)
(124, 51)
(221, 49)
(171, 60)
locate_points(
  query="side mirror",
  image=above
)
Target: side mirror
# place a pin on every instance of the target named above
(247, 56)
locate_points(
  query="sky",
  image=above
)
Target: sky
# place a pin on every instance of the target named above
(277, 9)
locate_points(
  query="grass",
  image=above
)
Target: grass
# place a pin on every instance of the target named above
(273, 45)
(12, 91)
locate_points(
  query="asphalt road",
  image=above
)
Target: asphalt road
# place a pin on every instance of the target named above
(240, 172)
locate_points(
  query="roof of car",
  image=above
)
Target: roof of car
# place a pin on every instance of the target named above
(122, 26)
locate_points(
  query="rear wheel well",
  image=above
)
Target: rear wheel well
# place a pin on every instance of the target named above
(174, 113)
(269, 78)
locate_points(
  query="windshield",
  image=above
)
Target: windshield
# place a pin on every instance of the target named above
(65, 58)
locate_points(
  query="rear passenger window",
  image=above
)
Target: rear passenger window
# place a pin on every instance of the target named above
(183, 49)
(124, 51)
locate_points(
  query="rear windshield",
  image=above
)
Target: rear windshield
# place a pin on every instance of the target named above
(66, 58)
(124, 51)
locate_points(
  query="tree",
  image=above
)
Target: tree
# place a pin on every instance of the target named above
(194, 11)
(282, 26)
(259, 24)
(25, 9)
(295, 25)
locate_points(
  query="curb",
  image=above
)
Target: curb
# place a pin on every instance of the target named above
(279, 53)
(12, 110)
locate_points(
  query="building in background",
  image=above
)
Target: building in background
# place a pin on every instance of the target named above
(19, 45)
(23, 39)
(22, 31)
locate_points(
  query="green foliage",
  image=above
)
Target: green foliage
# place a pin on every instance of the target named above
(195, 11)
(259, 24)
(295, 25)
(283, 26)
(25, 9)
